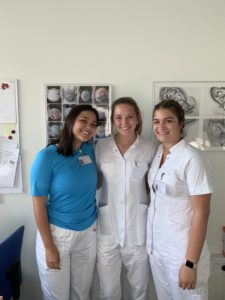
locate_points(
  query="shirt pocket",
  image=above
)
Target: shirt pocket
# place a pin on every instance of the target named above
(177, 189)
(138, 190)
(139, 170)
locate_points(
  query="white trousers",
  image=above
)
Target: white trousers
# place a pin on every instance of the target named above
(77, 260)
(136, 263)
(165, 275)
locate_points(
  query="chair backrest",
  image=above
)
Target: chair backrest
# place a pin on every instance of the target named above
(10, 267)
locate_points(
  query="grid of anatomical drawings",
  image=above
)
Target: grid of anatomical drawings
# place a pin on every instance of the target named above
(60, 99)
(204, 107)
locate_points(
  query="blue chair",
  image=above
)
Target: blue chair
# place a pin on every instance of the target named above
(10, 267)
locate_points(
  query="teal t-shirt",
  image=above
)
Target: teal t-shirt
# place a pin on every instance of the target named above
(69, 185)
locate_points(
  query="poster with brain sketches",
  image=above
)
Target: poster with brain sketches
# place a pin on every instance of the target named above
(60, 99)
(204, 106)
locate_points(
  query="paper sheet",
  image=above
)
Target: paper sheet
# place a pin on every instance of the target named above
(18, 184)
(8, 103)
(9, 154)
(8, 166)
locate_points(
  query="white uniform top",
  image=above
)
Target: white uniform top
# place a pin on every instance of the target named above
(122, 213)
(184, 173)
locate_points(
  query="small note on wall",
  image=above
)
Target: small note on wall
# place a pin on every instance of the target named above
(8, 98)
(9, 116)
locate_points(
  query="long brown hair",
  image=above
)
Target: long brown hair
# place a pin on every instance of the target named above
(65, 141)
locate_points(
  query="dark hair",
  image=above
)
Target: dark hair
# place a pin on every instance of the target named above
(129, 101)
(174, 107)
(65, 141)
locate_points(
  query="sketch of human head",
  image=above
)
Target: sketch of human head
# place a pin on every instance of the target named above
(178, 94)
(100, 131)
(215, 129)
(54, 130)
(218, 95)
(68, 93)
(66, 110)
(101, 95)
(85, 95)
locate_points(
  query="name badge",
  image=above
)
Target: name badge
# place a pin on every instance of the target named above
(85, 160)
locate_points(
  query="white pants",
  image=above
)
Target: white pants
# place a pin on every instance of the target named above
(77, 260)
(109, 262)
(165, 275)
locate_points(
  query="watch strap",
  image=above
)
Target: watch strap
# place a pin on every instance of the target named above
(191, 264)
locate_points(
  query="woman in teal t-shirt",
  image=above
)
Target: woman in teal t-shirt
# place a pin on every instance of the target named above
(63, 182)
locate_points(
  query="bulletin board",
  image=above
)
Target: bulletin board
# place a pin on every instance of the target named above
(10, 154)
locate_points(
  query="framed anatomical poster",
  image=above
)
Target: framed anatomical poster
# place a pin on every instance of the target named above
(61, 98)
(204, 105)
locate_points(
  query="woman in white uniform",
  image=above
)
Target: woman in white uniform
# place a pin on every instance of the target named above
(123, 160)
(180, 205)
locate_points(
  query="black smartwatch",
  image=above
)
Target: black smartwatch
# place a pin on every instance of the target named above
(190, 264)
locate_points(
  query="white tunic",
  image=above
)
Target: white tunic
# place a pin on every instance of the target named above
(184, 173)
(122, 213)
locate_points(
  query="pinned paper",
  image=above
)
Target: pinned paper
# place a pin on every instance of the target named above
(9, 154)
(7, 102)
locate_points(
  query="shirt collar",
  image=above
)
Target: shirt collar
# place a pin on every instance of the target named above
(178, 146)
(113, 145)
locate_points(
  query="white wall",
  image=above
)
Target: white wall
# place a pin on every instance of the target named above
(129, 44)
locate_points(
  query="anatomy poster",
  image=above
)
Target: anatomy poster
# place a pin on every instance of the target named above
(204, 106)
(61, 98)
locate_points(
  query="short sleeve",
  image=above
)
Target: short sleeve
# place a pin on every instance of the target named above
(40, 175)
(198, 175)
